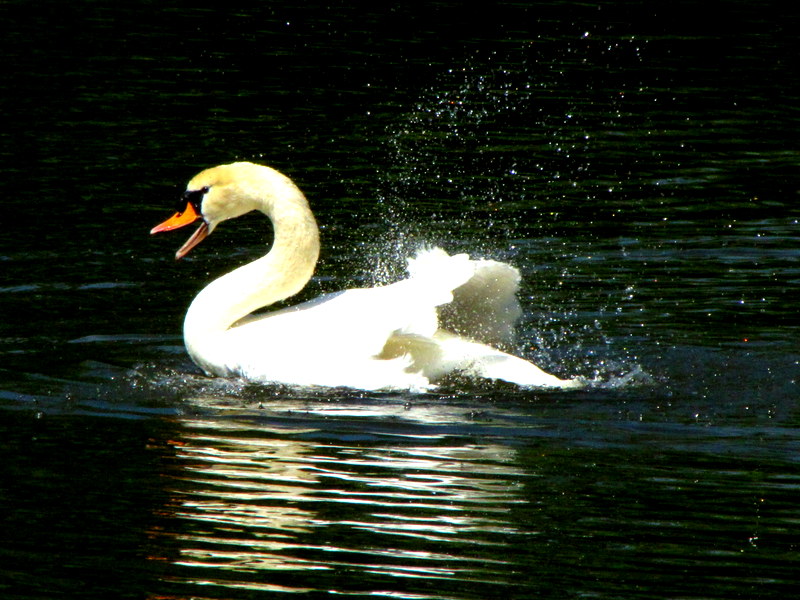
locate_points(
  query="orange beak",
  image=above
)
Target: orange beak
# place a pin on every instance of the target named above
(181, 219)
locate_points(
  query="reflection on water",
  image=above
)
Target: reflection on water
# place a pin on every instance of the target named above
(514, 502)
(268, 500)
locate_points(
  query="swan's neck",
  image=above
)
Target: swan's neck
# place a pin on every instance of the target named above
(281, 273)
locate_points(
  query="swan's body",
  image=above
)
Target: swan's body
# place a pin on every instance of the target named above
(443, 319)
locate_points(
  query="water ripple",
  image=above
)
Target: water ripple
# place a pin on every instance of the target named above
(282, 504)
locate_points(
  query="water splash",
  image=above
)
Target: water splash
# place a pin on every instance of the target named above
(488, 161)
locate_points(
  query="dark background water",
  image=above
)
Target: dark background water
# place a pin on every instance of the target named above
(636, 161)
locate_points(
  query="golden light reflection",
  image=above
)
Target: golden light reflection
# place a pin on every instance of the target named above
(263, 506)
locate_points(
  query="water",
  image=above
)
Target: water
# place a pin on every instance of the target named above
(636, 162)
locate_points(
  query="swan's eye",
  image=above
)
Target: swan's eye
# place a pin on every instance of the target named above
(193, 197)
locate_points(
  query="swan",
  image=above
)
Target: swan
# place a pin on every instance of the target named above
(449, 316)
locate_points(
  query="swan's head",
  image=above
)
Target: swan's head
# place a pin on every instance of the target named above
(212, 196)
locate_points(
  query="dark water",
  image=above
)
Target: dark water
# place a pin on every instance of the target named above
(637, 162)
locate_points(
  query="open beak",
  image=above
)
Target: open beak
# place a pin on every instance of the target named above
(181, 219)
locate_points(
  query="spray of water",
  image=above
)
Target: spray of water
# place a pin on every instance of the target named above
(484, 163)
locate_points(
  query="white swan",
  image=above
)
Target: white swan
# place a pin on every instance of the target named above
(443, 319)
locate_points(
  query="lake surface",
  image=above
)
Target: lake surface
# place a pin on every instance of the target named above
(637, 162)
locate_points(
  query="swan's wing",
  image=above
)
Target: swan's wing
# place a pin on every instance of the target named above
(485, 307)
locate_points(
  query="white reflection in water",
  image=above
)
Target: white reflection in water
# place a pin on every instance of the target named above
(260, 502)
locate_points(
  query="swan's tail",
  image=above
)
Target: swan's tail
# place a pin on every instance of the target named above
(512, 369)
(479, 360)
(447, 354)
